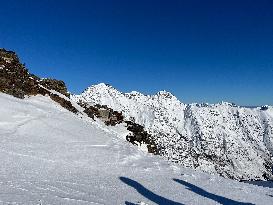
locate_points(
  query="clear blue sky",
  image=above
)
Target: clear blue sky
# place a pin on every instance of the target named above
(202, 51)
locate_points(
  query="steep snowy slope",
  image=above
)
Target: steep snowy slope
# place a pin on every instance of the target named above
(52, 156)
(223, 138)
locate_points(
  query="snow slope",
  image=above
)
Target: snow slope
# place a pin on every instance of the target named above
(229, 140)
(52, 156)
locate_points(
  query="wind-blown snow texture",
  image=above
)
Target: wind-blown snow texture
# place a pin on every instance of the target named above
(52, 156)
(229, 140)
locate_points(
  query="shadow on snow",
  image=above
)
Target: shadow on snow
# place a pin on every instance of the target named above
(164, 201)
(202, 192)
(147, 193)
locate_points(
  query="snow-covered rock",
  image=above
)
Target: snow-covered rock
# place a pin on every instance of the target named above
(226, 139)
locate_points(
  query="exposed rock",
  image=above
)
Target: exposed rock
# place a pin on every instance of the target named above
(91, 111)
(141, 136)
(17, 81)
(63, 102)
(107, 115)
(15, 78)
(110, 117)
(53, 84)
(264, 107)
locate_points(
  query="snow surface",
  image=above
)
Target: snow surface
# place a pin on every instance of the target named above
(52, 156)
(229, 140)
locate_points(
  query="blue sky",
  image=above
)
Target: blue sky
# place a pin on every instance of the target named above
(201, 51)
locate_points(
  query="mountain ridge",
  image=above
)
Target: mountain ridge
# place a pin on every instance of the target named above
(102, 84)
(209, 137)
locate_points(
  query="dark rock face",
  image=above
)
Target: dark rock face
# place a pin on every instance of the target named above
(14, 77)
(53, 84)
(15, 80)
(264, 107)
(63, 102)
(141, 136)
(110, 117)
(91, 111)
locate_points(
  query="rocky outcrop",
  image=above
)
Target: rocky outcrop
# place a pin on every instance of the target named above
(107, 115)
(53, 84)
(63, 102)
(16, 80)
(137, 136)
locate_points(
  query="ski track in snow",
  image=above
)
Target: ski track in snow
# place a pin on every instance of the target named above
(51, 156)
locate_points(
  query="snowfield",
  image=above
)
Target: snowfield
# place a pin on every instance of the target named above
(52, 156)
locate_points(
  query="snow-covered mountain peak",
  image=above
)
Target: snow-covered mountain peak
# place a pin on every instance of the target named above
(166, 94)
(134, 93)
(233, 141)
(228, 104)
(101, 87)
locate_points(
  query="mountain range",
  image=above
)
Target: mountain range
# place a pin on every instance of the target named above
(233, 141)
